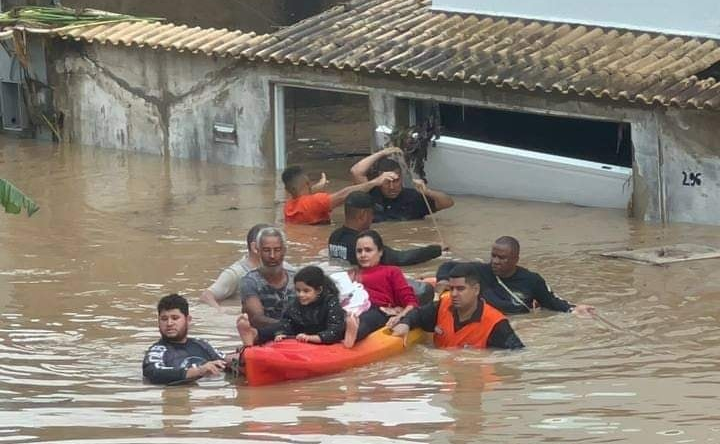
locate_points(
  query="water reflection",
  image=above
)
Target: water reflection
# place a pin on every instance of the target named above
(79, 282)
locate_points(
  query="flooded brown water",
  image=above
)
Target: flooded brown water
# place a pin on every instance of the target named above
(116, 230)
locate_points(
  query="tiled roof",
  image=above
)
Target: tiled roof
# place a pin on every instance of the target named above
(406, 38)
(220, 42)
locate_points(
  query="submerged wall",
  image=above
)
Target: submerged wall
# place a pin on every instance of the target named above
(161, 102)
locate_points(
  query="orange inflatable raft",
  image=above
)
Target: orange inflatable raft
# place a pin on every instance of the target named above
(290, 360)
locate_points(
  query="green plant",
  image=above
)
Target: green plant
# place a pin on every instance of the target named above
(13, 200)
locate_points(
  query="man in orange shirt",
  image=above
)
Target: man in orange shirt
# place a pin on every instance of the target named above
(307, 205)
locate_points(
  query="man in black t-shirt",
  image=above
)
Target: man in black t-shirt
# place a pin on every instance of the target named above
(175, 357)
(392, 201)
(513, 289)
(358, 217)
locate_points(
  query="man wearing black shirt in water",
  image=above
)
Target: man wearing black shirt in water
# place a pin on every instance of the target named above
(393, 202)
(358, 217)
(175, 357)
(513, 289)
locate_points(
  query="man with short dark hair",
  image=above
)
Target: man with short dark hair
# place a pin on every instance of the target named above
(227, 285)
(513, 289)
(358, 217)
(392, 201)
(267, 290)
(175, 357)
(461, 318)
(308, 205)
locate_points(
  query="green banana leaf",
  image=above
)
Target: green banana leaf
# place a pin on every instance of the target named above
(13, 200)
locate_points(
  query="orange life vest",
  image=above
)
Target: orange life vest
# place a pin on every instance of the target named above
(475, 334)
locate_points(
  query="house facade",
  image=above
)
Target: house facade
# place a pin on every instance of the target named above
(633, 112)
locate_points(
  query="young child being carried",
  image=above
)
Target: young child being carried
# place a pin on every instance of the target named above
(315, 315)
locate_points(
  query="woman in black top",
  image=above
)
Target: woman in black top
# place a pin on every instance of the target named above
(315, 315)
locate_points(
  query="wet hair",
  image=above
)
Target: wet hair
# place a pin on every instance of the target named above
(356, 202)
(314, 277)
(375, 236)
(385, 164)
(290, 177)
(253, 233)
(270, 232)
(467, 271)
(173, 301)
(509, 241)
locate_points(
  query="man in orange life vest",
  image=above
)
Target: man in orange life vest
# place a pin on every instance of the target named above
(461, 318)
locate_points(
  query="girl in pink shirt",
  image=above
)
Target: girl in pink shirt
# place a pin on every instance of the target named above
(390, 295)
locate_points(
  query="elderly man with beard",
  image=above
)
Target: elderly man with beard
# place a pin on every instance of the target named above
(266, 291)
(175, 357)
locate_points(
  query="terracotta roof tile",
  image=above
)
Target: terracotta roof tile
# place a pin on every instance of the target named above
(406, 38)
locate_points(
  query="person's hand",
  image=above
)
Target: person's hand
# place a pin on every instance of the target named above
(393, 321)
(420, 185)
(400, 329)
(391, 150)
(322, 183)
(279, 338)
(302, 337)
(211, 367)
(584, 311)
(441, 286)
(391, 311)
(386, 176)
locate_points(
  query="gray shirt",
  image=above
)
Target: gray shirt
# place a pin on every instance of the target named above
(274, 300)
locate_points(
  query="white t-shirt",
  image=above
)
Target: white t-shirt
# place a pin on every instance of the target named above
(228, 283)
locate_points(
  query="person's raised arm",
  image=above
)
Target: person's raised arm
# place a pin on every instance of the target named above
(360, 170)
(338, 198)
(320, 184)
(440, 200)
(256, 312)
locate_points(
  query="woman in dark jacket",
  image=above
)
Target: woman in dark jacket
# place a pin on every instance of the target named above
(315, 315)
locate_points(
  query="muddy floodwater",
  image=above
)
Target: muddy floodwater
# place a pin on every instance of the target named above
(80, 279)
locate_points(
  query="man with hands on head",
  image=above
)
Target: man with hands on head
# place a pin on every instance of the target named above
(392, 201)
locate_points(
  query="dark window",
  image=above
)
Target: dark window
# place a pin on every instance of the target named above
(603, 142)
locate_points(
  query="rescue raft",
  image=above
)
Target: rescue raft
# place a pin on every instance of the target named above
(291, 360)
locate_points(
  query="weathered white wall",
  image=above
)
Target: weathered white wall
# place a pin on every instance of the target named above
(669, 16)
(162, 102)
(690, 165)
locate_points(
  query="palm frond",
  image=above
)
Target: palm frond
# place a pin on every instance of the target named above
(13, 200)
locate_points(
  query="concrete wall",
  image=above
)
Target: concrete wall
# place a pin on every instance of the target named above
(161, 102)
(698, 18)
(167, 102)
(690, 161)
